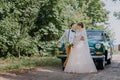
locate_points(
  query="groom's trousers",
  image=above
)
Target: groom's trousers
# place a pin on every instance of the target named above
(67, 48)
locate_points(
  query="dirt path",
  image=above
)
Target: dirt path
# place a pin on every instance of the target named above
(111, 72)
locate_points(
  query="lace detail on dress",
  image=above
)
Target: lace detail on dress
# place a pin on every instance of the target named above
(77, 38)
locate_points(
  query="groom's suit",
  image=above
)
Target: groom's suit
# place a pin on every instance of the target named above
(68, 37)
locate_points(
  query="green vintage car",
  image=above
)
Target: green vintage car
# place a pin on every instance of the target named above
(101, 48)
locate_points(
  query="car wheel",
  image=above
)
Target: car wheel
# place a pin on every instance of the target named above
(106, 55)
(101, 64)
(109, 61)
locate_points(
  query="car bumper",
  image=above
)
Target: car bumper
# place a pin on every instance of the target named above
(100, 57)
(61, 56)
(94, 57)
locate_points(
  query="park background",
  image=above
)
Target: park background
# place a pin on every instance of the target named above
(29, 29)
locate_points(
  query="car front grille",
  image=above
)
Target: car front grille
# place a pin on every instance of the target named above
(92, 50)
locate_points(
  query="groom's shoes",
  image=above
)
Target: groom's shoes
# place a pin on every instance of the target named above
(63, 68)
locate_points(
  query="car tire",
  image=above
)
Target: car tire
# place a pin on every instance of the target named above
(101, 64)
(109, 61)
(106, 55)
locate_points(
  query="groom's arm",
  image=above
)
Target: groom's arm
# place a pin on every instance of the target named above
(63, 36)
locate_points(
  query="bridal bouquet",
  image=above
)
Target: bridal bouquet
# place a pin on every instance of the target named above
(71, 45)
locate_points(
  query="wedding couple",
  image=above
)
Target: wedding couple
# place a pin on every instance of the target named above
(78, 59)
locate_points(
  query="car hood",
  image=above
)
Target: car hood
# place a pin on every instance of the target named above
(92, 42)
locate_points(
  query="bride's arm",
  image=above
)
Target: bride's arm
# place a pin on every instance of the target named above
(82, 36)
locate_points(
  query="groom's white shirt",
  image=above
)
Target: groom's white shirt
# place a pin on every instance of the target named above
(68, 36)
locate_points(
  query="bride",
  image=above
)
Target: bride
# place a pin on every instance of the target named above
(80, 60)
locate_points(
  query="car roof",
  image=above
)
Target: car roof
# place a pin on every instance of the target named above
(95, 31)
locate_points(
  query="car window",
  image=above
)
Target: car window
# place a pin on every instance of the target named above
(94, 35)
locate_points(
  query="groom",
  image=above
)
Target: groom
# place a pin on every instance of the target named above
(68, 37)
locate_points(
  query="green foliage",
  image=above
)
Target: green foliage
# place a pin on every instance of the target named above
(95, 11)
(29, 62)
(31, 27)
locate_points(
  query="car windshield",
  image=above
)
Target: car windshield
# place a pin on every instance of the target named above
(94, 35)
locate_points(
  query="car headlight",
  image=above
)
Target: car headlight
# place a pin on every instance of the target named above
(98, 45)
(59, 45)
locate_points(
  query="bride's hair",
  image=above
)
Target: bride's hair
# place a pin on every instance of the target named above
(80, 24)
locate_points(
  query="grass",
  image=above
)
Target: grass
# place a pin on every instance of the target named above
(28, 62)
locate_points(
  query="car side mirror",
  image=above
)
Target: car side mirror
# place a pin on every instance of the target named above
(108, 39)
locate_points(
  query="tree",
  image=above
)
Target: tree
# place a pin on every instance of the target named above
(117, 13)
(17, 17)
(30, 27)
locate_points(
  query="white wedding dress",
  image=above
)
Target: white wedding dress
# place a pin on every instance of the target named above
(80, 60)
